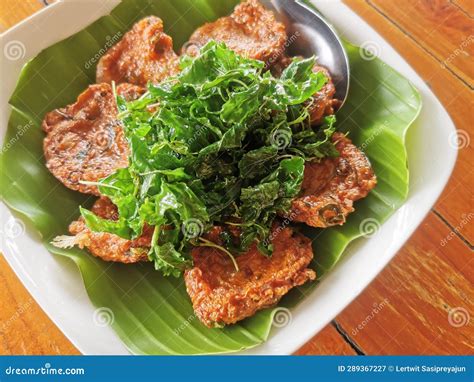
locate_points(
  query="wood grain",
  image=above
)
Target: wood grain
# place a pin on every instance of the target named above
(466, 6)
(456, 203)
(442, 29)
(13, 11)
(24, 327)
(422, 303)
(327, 342)
(432, 274)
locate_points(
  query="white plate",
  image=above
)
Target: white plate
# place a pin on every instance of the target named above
(56, 284)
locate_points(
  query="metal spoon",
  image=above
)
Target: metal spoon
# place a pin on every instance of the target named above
(313, 36)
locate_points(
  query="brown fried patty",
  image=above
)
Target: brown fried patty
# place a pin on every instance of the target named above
(221, 295)
(324, 103)
(107, 246)
(144, 54)
(84, 141)
(251, 31)
(331, 186)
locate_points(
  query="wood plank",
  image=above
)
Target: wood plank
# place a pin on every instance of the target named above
(439, 25)
(24, 327)
(327, 342)
(457, 199)
(422, 303)
(13, 11)
(467, 6)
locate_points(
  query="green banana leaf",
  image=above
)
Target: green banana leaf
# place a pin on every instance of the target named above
(153, 314)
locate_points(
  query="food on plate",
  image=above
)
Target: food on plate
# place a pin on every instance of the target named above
(198, 168)
(323, 103)
(144, 54)
(107, 246)
(221, 295)
(85, 141)
(331, 186)
(251, 31)
(214, 153)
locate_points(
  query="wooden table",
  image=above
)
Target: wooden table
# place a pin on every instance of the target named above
(422, 302)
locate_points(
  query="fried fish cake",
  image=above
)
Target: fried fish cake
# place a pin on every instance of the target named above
(221, 295)
(251, 31)
(323, 103)
(331, 186)
(84, 141)
(107, 246)
(144, 54)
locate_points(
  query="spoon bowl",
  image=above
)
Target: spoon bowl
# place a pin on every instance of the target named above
(309, 34)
